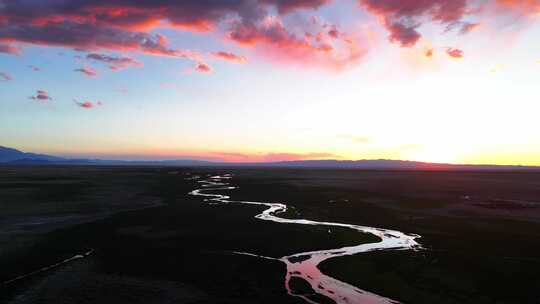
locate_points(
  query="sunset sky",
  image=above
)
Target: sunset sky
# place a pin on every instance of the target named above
(259, 80)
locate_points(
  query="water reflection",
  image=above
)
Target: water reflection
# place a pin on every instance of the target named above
(303, 278)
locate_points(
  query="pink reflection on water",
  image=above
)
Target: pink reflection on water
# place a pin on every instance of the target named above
(303, 266)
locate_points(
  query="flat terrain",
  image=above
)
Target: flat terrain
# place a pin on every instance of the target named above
(154, 243)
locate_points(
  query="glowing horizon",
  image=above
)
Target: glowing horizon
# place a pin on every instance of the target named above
(263, 80)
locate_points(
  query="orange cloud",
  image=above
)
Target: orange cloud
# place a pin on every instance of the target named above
(528, 7)
(229, 57)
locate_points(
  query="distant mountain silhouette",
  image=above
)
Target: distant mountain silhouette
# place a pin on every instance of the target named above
(388, 164)
(15, 157)
(10, 154)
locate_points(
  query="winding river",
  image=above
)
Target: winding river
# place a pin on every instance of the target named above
(304, 265)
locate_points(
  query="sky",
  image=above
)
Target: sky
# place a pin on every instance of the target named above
(453, 81)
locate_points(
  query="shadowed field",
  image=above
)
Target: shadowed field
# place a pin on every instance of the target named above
(156, 244)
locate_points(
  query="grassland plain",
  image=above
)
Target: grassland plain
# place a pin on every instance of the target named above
(156, 244)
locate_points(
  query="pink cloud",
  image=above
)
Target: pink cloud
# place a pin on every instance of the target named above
(229, 57)
(122, 26)
(125, 27)
(90, 37)
(41, 95)
(272, 39)
(400, 33)
(87, 104)
(9, 49)
(455, 53)
(203, 68)
(334, 33)
(136, 15)
(259, 25)
(468, 27)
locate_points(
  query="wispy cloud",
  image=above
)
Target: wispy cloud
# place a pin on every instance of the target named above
(115, 63)
(88, 71)
(87, 104)
(5, 76)
(41, 95)
(229, 57)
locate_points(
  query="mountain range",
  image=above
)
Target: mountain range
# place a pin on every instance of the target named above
(10, 156)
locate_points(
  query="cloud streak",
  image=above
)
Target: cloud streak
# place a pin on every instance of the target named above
(87, 71)
(229, 57)
(87, 104)
(115, 63)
